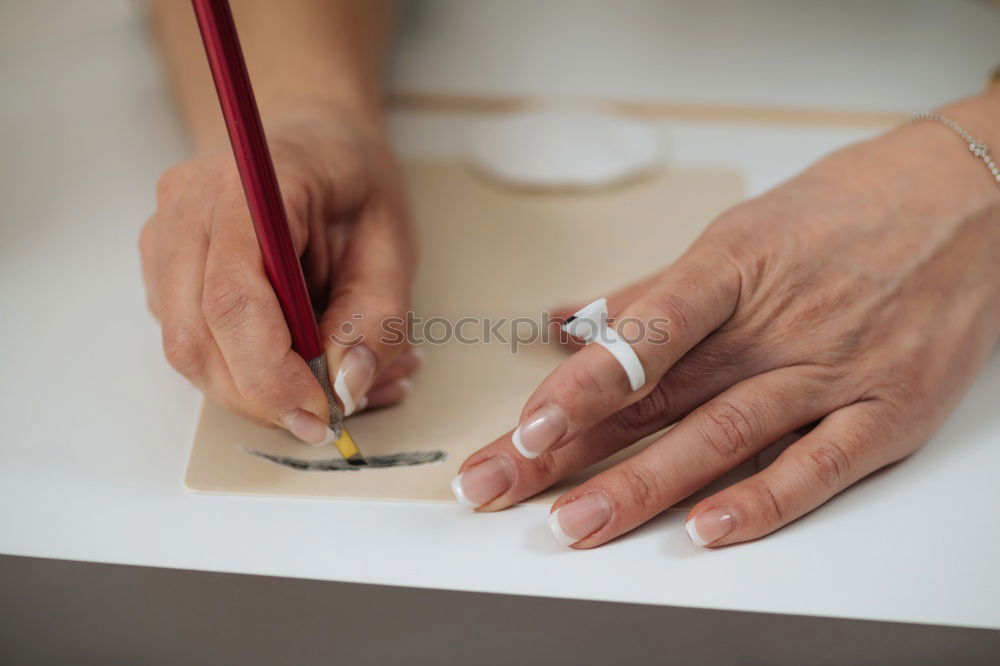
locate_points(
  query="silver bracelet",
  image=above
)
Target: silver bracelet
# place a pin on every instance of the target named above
(978, 148)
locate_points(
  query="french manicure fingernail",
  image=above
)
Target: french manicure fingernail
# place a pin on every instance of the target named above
(540, 431)
(580, 518)
(710, 526)
(354, 377)
(307, 427)
(483, 483)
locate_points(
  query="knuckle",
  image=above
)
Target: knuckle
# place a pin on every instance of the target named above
(741, 251)
(639, 487)
(652, 411)
(900, 386)
(225, 302)
(184, 349)
(766, 503)
(169, 182)
(828, 462)
(581, 380)
(678, 311)
(729, 430)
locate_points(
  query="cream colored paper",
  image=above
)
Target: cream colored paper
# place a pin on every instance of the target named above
(486, 252)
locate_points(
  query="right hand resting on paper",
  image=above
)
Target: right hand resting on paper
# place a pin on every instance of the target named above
(222, 326)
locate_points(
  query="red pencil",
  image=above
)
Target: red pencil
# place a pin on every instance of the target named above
(253, 159)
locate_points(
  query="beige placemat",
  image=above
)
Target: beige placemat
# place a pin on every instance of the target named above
(486, 252)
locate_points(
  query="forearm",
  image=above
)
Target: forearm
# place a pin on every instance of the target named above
(299, 53)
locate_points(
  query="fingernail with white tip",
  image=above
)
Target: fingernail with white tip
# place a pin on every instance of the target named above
(540, 431)
(307, 427)
(354, 376)
(710, 526)
(580, 518)
(456, 489)
(483, 483)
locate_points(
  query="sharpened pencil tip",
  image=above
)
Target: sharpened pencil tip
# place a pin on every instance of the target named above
(349, 450)
(358, 460)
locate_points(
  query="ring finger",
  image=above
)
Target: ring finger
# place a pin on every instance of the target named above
(709, 441)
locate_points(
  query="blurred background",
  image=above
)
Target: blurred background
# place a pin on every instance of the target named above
(82, 100)
(887, 54)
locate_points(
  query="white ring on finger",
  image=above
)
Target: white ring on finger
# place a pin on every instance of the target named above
(590, 323)
(626, 357)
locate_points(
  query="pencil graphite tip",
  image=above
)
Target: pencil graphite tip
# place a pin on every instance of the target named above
(349, 449)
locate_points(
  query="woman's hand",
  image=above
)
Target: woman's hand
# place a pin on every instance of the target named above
(222, 325)
(857, 301)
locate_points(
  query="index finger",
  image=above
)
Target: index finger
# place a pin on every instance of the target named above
(692, 299)
(246, 321)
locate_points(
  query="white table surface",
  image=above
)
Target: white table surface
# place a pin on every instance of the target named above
(95, 428)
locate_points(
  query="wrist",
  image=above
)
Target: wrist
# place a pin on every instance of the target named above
(328, 111)
(977, 116)
(925, 167)
(942, 172)
(354, 106)
(308, 120)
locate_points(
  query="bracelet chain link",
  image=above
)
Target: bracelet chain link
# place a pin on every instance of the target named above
(977, 147)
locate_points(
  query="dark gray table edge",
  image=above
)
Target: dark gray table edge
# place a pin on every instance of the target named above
(69, 612)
